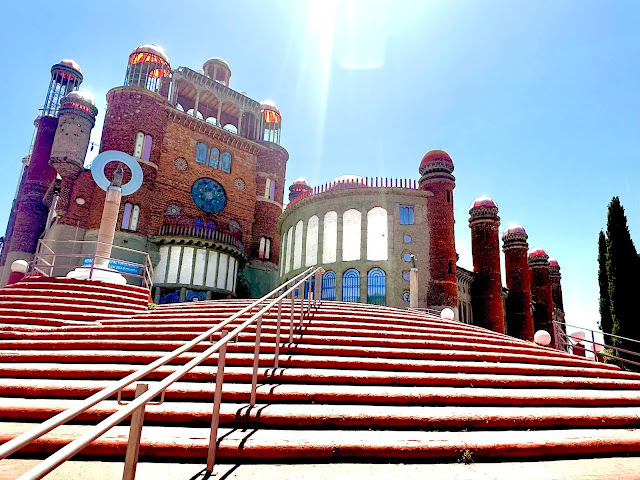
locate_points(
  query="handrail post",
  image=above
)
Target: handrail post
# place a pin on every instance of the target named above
(293, 292)
(217, 398)
(593, 344)
(93, 260)
(318, 289)
(256, 361)
(135, 431)
(277, 354)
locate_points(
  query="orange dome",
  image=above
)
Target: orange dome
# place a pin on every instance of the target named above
(434, 155)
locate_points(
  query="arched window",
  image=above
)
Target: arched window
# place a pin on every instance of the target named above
(351, 233)
(329, 286)
(377, 234)
(142, 147)
(214, 157)
(330, 237)
(130, 217)
(351, 286)
(377, 287)
(264, 252)
(225, 164)
(297, 245)
(198, 223)
(201, 153)
(211, 226)
(311, 254)
(234, 229)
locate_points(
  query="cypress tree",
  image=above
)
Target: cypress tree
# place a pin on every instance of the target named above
(622, 265)
(606, 324)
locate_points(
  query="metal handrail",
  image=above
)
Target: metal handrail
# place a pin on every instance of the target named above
(78, 444)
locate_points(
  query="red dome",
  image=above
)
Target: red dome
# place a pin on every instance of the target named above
(300, 181)
(434, 155)
(483, 201)
(537, 252)
(553, 262)
(513, 228)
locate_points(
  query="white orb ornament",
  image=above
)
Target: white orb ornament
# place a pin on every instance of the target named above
(447, 314)
(577, 336)
(599, 348)
(542, 337)
(19, 266)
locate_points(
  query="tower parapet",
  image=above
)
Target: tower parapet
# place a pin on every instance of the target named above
(538, 261)
(485, 246)
(518, 276)
(436, 170)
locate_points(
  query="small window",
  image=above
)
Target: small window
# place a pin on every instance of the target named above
(406, 275)
(234, 229)
(270, 189)
(142, 147)
(407, 239)
(265, 248)
(448, 196)
(130, 217)
(211, 226)
(406, 257)
(201, 153)
(406, 296)
(214, 157)
(225, 165)
(406, 214)
(450, 266)
(198, 223)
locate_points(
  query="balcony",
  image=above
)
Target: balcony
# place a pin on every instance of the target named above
(178, 234)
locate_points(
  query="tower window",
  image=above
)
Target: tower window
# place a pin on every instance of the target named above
(448, 196)
(450, 266)
(264, 252)
(214, 157)
(406, 214)
(130, 217)
(270, 189)
(202, 153)
(142, 147)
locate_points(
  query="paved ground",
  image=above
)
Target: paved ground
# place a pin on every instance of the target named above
(592, 469)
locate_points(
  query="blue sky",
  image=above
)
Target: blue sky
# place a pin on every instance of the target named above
(536, 102)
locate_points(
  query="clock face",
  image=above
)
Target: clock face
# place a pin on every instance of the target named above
(209, 195)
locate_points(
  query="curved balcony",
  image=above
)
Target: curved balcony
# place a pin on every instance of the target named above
(206, 237)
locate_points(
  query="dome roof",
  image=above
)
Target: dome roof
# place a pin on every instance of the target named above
(434, 155)
(67, 62)
(150, 48)
(483, 201)
(81, 95)
(513, 228)
(218, 60)
(347, 178)
(553, 262)
(300, 181)
(268, 105)
(537, 252)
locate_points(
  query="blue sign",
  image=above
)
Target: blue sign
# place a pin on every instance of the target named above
(121, 267)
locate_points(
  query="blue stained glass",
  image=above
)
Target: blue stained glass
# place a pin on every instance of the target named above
(209, 195)
(226, 162)
(195, 296)
(198, 222)
(171, 297)
(211, 226)
(201, 153)
(214, 157)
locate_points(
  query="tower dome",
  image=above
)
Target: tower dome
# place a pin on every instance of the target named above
(68, 62)
(298, 188)
(81, 96)
(514, 234)
(271, 121)
(435, 156)
(66, 76)
(148, 65)
(217, 69)
(80, 100)
(513, 228)
(300, 181)
(537, 252)
(483, 201)
(553, 262)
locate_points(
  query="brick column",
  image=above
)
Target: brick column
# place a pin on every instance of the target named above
(538, 261)
(519, 316)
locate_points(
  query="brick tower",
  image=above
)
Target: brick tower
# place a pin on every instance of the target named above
(29, 212)
(436, 169)
(538, 261)
(556, 288)
(488, 310)
(519, 316)
(297, 188)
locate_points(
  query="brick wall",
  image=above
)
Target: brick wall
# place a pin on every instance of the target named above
(518, 276)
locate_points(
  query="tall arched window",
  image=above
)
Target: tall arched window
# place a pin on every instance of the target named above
(377, 287)
(287, 266)
(201, 153)
(311, 254)
(351, 233)
(225, 164)
(329, 286)
(214, 157)
(142, 147)
(377, 234)
(130, 217)
(297, 246)
(351, 286)
(264, 251)
(330, 237)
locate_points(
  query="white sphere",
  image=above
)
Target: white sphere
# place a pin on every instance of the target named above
(599, 348)
(542, 337)
(447, 314)
(577, 336)
(20, 266)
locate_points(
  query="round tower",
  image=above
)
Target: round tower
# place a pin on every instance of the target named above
(77, 117)
(271, 121)
(556, 288)
(519, 316)
(217, 69)
(297, 188)
(488, 309)
(538, 261)
(148, 65)
(436, 170)
(29, 213)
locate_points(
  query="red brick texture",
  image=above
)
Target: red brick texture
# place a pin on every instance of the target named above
(519, 316)
(556, 288)
(542, 297)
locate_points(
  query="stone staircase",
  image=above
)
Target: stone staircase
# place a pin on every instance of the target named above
(358, 385)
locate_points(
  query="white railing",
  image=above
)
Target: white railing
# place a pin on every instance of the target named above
(56, 258)
(144, 394)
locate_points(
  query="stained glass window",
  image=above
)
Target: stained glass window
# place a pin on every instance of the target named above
(226, 162)
(209, 195)
(198, 222)
(214, 157)
(201, 153)
(406, 214)
(377, 287)
(351, 286)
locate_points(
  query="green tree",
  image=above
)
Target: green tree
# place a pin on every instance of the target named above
(606, 324)
(624, 283)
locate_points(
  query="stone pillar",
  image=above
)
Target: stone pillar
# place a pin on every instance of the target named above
(519, 316)
(108, 226)
(485, 247)
(413, 288)
(538, 261)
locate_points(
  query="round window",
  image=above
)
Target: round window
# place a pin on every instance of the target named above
(406, 296)
(407, 257)
(209, 195)
(407, 239)
(405, 276)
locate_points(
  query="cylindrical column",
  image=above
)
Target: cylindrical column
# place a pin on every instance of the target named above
(108, 226)
(436, 169)
(413, 288)
(487, 302)
(556, 288)
(538, 261)
(518, 276)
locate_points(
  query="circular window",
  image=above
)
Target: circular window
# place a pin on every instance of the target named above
(181, 164)
(407, 257)
(406, 295)
(173, 210)
(407, 239)
(406, 276)
(209, 195)
(239, 184)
